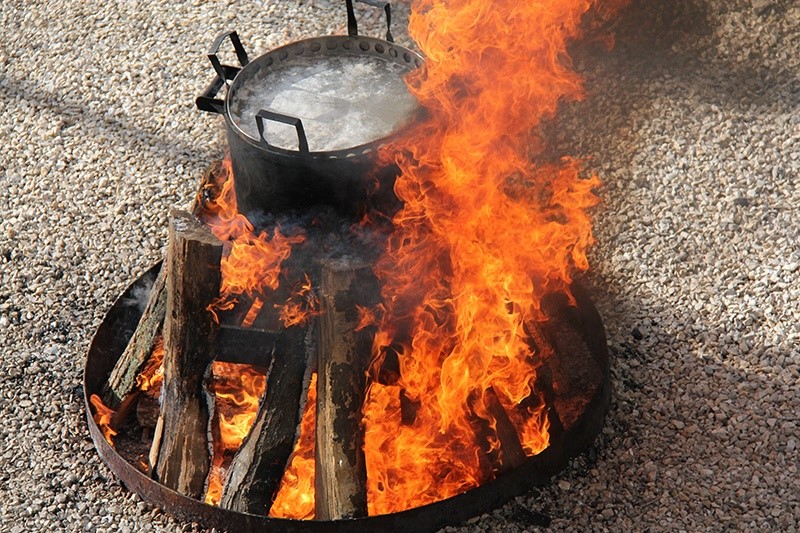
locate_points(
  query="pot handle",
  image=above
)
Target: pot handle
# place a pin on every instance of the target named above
(223, 71)
(285, 119)
(207, 101)
(352, 25)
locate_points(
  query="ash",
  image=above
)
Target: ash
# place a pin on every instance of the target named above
(691, 122)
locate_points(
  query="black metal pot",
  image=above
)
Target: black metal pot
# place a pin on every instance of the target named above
(275, 178)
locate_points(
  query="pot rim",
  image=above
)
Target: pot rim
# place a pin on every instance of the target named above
(325, 45)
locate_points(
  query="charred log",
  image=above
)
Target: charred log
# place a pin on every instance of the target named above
(258, 466)
(147, 408)
(192, 282)
(511, 453)
(495, 434)
(133, 359)
(245, 346)
(343, 355)
(575, 373)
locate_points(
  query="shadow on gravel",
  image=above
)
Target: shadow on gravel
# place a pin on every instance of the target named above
(675, 39)
(687, 414)
(75, 111)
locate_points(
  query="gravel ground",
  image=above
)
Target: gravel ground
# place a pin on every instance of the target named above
(692, 121)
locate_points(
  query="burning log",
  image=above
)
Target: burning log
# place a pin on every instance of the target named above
(192, 282)
(343, 354)
(495, 434)
(512, 454)
(123, 377)
(257, 468)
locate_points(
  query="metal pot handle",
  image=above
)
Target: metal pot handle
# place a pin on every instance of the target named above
(224, 70)
(207, 101)
(352, 25)
(285, 119)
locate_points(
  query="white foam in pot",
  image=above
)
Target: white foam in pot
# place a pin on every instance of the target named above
(343, 101)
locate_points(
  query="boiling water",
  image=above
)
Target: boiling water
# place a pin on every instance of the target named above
(343, 101)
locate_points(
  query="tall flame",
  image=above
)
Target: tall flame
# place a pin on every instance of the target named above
(483, 235)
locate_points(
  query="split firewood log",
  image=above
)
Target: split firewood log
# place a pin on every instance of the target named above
(256, 470)
(343, 355)
(122, 380)
(192, 278)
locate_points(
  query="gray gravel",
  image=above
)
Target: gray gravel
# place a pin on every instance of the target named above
(693, 122)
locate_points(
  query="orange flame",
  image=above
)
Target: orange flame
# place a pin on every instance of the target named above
(237, 390)
(252, 261)
(251, 265)
(102, 417)
(152, 375)
(482, 236)
(295, 496)
(252, 314)
(367, 317)
(300, 306)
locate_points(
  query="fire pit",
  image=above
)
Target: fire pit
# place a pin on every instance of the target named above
(584, 355)
(372, 334)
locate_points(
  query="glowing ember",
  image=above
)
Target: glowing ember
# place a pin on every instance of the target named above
(252, 314)
(483, 234)
(295, 496)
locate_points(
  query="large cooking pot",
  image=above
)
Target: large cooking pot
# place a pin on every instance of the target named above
(304, 121)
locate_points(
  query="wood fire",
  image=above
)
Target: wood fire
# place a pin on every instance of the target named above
(389, 380)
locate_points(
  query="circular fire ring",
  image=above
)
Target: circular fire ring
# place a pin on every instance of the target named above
(566, 442)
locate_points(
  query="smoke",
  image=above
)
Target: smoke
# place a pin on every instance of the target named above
(140, 293)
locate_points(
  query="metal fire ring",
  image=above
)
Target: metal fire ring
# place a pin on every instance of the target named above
(116, 329)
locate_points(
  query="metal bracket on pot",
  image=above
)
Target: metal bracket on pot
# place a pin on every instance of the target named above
(285, 119)
(225, 73)
(352, 25)
(207, 100)
(241, 55)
